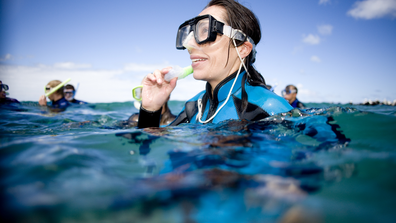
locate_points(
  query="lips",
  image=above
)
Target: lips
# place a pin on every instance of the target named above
(196, 60)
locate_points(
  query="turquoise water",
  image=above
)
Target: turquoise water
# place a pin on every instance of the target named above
(336, 163)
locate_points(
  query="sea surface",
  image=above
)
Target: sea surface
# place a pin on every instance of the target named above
(327, 163)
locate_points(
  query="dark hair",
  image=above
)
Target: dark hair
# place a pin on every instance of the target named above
(292, 87)
(69, 86)
(240, 17)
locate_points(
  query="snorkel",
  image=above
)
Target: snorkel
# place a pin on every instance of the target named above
(57, 87)
(176, 71)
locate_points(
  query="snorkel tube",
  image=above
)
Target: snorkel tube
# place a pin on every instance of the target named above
(57, 87)
(176, 71)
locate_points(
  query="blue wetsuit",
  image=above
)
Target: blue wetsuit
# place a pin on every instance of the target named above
(75, 101)
(262, 103)
(297, 104)
(60, 104)
(8, 101)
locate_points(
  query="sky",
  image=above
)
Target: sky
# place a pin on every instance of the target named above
(334, 51)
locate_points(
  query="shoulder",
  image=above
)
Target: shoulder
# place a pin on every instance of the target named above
(12, 100)
(267, 100)
(300, 104)
(80, 102)
(198, 96)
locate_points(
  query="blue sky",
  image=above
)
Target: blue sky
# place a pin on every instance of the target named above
(332, 50)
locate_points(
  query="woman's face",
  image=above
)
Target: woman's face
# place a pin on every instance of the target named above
(209, 60)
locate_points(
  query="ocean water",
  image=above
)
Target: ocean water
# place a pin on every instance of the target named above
(328, 163)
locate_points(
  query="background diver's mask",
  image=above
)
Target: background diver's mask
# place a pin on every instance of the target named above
(205, 29)
(69, 94)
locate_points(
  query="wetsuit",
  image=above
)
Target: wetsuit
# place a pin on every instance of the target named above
(75, 101)
(297, 104)
(8, 101)
(60, 104)
(262, 103)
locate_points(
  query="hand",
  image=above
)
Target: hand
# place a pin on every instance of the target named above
(156, 90)
(43, 100)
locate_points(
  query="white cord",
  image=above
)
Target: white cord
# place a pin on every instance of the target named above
(200, 114)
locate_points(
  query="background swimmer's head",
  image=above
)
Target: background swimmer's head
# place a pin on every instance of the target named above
(58, 93)
(69, 92)
(240, 17)
(3, 94)
(290, 93)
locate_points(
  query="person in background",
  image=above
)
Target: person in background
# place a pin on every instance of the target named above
(221, 42)
(58, 101)
(70, 92)
(290, 94)
(3, 95)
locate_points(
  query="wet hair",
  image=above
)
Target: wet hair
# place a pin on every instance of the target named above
(242, 18)
(55, 83)
(69, 86)
(292, 88)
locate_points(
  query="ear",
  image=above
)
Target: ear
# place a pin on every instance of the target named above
(245, 49)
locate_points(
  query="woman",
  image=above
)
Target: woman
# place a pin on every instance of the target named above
(221, 43)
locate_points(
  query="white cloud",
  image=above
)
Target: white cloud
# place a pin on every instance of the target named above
(70, 65)
(324, 2)
(144, 67)
(315, 59)
(371, 9)
(27, 82)
(325, 29)
(6, 57)
(311, 39)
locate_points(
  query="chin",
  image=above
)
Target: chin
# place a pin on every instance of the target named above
(198, 76)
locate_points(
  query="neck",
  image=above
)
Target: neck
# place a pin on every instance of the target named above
(236, 64)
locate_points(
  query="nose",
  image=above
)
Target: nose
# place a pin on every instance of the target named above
(190, 43)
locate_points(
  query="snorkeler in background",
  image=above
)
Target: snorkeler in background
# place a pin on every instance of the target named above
(290, 94)
(70, 93)
(58, 101)
(222, 43)
(3, 95)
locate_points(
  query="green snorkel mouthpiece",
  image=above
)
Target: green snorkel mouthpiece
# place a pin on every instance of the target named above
(178, 72)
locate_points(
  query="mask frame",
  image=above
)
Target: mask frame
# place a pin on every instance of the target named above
(215, 27)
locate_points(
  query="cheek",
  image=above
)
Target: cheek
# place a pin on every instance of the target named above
(218, 55)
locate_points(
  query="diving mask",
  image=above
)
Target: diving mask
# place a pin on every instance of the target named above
(205, 29)
(285, 92)
(69, 94)
(4, 87)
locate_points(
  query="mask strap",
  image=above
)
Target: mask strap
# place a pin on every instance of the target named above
(240, 58)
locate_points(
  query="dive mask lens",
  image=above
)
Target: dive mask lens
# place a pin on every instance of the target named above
(47, 89)
(137, 92)
(284, 92)
(202, 27)
(202, 30)
(182, 34)
(69, 92)
(4, 87)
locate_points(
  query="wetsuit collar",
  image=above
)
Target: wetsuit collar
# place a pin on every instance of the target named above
(295, 103)
(221, 91)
